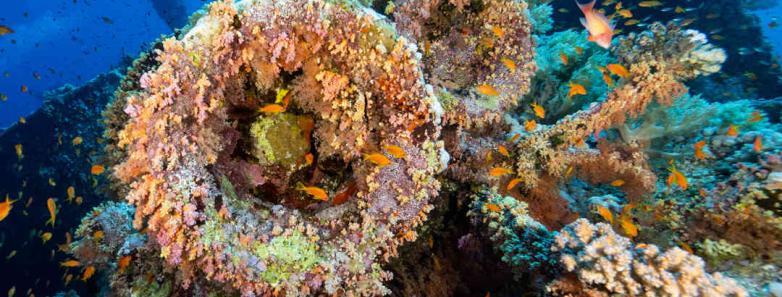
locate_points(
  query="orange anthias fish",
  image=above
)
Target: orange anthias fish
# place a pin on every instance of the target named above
(395, 151)
(315, 192)
(539, 110)
(509, 63)
(487, 90)
(699, 150)
(272, 109)
(77, 140)
(758, 145)
(619, 70)
(732, 131)
(52, 211)
(756, 117)
(97, 169)
(493, 207)
(676, 177)
(378, 159)
(563, 58)
(503, 151)
(617, 183)
(576, 89)
(499, 171)
(46, 236)
(71, 192)
(601, 31)
(5, 207)
(70, 263)
(512, 183)
(123, 263)
(530, 125)
(88, 272)
(606, 214)
(631, 230)
(346, 194)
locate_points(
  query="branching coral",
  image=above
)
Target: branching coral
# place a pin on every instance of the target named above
(192, 182)
(604, 259)
(656, 69)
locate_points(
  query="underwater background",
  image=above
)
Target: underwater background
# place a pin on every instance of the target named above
(403, 148)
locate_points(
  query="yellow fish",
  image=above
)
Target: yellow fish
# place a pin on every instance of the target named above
(378, 159)
(46, 236)
(19, 152)
(509, 63)
(499, 171)
(619, 70)
(395, 151)
(576, 89)
(540, 112)
(5, 207)
(272, 109)
(601, 31)
(71, 191)
(649, 3)
(606, 214)
(315, 192)
(52, 211)
(626, 13)
(487, 90)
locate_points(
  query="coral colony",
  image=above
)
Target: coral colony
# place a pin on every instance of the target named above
(295, 147)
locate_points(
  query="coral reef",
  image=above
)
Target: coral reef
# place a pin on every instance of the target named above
(293, 147)
(354, 88)
(603, 259)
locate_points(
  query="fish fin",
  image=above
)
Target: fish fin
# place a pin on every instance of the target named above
(50, 221)
(606, 20)
(584, 23)
(586, 7)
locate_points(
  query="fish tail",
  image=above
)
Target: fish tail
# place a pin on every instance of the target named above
(586, 7)
(50, 221)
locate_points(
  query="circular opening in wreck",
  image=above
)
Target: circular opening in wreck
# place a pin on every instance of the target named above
(273, 133)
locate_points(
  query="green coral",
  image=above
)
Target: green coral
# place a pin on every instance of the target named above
(286, 254)
(143, 288)
(718, 251)
(278, 139)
